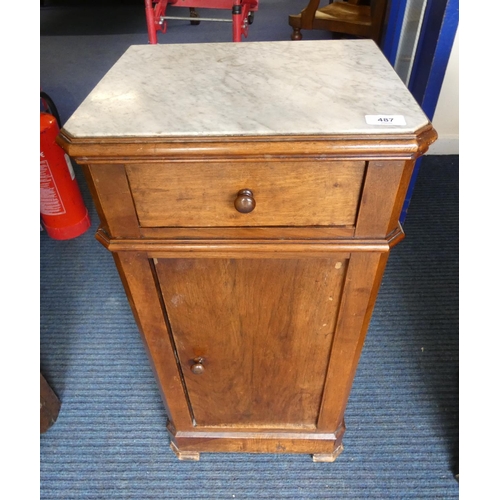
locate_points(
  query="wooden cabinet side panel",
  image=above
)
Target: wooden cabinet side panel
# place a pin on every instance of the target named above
(380, 191)
(140, 287)
(401, 195)
(362, 283)
(111, 193)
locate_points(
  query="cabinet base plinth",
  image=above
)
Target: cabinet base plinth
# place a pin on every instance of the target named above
(323, 446)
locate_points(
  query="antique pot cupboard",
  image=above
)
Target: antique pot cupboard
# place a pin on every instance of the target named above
(250, 194)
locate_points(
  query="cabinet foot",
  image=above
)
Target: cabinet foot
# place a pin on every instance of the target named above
(193, 456)
(328, 457)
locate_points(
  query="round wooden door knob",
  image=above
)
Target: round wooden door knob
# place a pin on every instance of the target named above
(197, 368)
(245, 201)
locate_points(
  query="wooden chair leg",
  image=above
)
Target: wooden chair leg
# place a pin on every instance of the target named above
(194, 14)
(296, 35)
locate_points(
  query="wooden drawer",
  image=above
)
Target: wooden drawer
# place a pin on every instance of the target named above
(286, 193)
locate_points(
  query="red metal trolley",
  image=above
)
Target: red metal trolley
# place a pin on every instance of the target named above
(242, 14)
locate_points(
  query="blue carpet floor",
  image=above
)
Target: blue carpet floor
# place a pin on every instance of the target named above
(110, 442)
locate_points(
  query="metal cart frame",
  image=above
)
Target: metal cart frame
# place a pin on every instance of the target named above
(242, 14)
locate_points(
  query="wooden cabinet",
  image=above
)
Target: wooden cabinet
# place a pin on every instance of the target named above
(251, 241)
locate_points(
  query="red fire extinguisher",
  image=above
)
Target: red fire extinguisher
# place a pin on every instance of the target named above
(62, 209)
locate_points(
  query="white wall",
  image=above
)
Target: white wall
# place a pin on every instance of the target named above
(445, 119)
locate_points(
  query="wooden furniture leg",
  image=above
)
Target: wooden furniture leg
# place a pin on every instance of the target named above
(49, 406)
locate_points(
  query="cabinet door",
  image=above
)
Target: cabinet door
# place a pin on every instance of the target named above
(263, 329)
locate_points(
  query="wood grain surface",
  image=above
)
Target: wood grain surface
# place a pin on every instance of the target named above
(322, 193)
(264, 328)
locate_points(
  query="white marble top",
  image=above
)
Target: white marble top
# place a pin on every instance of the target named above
(254, 88)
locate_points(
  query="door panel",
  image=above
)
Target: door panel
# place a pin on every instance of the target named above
(264, 328)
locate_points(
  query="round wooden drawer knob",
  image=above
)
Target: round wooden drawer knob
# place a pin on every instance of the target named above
(245, 201)
(197, 368)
